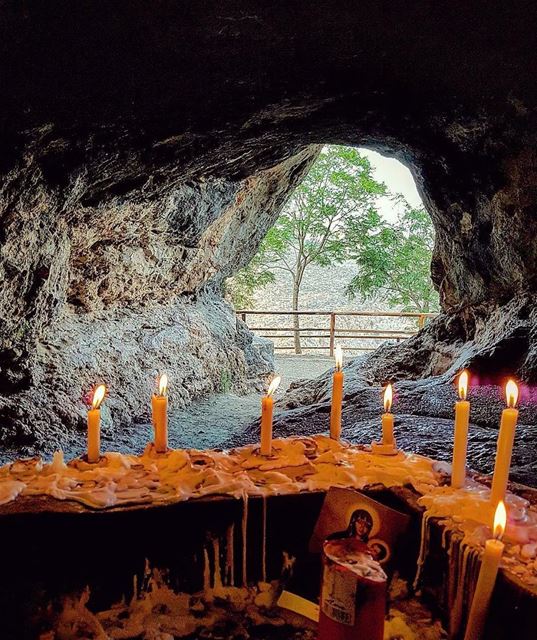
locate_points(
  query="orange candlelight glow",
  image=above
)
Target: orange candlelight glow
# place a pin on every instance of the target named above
(274, 385)
(98, 396)
(163, 385)
(511, 393)
(463, 385)
(500, 520)
(338, 354)
(388, 398)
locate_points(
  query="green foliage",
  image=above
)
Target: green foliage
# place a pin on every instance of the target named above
(331, 218)
(312, 227)
(225, 381)
(394, 259)
(242, 286)
(339, 188)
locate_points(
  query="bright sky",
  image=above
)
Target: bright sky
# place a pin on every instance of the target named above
(396, 177)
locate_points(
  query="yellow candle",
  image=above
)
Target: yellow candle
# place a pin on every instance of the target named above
(337, 396)
(504, 447)
(94, 425)
(267, 406)
(490, 563)
(159, 405)
(387, 418)
(462, 418)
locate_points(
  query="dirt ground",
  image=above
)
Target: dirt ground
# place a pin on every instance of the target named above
(210, 422)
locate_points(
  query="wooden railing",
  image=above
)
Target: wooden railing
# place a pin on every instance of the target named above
(327, 336)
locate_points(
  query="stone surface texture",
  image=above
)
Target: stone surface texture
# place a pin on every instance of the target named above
(147, 148)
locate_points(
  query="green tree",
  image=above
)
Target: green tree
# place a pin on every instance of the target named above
(241, 287)
(394, 260)
(312, 228)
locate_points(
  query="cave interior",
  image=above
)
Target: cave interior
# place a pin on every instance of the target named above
(147, 149)
(147, 153)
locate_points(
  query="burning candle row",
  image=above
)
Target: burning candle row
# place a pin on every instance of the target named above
(159, 405)
(492, 555)
(493, 548)
(505, 441)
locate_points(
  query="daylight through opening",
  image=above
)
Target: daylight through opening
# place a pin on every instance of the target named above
(347, 262)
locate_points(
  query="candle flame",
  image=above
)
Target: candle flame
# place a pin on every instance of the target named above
(98, 396)
(463, 385)
(511, 393)
(500, 520)
(274, 385)
(163, 384)
(388, 398)
(338, 354)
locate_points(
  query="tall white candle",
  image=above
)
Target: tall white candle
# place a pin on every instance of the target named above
(159, 406)
(337, 396)
(387, 418)
(460, 445)
(267, 407)
(504, 448)
(490, 563)
(94, 424)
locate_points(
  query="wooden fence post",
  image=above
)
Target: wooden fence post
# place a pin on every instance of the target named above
(421, 321)
(332, 332)
(243, 317)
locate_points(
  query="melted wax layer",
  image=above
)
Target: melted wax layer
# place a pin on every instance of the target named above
(297, 464)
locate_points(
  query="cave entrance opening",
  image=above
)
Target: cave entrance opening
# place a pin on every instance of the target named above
(347, 261)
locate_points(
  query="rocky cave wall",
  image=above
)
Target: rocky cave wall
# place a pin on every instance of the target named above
(147, 148)
(119, 290)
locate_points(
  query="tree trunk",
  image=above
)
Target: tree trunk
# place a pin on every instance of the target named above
(296, 319)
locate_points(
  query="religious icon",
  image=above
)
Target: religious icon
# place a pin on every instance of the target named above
(349, 514)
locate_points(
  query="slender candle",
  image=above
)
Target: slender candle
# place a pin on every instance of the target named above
(504, 448)
(387, 418)
(462, 418)
(490, 563)
(337, 396)
(267, 406)
(94, 424)
(159, 405)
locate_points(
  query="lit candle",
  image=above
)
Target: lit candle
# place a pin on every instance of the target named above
(337, 396)
(490, 563)
(387, 418)
(94, 424)
(159, 405)
(462, 418)
(504, 448)
(267, 406)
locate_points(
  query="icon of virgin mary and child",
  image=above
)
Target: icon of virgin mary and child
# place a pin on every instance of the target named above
(359, 528)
